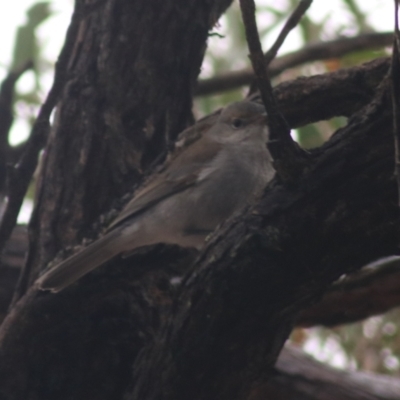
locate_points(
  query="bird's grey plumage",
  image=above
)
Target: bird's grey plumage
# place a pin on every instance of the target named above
(197, 190)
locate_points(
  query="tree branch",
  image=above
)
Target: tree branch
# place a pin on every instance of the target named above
(374, 290)
(395, 75)
(21, 174)
(6, 118)
(289, 160)
(291, 23)
(238, 303)
(257, 258)
(298, 376)
(311, 52)
(359, 93)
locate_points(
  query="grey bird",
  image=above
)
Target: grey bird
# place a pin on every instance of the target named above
(198, 188)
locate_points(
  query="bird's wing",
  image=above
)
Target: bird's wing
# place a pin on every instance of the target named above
(181, 173)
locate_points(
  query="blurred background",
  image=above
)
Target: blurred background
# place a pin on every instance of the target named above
(32, 34)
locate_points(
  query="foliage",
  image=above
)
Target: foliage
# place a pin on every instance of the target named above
(28, 49)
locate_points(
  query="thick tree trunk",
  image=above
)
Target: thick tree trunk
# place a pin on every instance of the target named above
(131, 73)
(129, 330)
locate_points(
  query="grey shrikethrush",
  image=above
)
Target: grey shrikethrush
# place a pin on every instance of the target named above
(198, 189)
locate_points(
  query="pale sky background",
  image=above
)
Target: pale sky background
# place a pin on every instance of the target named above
(52, 31)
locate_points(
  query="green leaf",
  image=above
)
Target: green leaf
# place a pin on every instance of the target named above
(38, 13)
(26, 47)
(309, 136)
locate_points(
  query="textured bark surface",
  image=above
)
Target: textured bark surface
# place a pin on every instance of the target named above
(128, 94)
(372, 291)
(130, 329)
(232, 316)
(262, 269)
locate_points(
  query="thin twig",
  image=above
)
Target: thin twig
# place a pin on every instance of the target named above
(258, 62)
(7, 117)
(312, 52)
(20, 175)
(291, 23)
(287, 156)
(395, 75)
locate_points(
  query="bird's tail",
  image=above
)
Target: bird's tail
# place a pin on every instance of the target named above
(74, 267)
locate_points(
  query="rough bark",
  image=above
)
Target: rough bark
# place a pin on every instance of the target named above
(128, 93)
(262, 269)
(11, 263)
(296, 375)
(374, 290)
(129, 330)
(270, 267)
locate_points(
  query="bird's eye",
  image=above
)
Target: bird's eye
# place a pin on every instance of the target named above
(237, 123)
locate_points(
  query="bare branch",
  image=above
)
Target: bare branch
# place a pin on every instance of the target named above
(374, 290)
(291, 23)
(288, 159)
(312, 52)
(395, 75)
(6, 117)
(298, 376)
(20, 176)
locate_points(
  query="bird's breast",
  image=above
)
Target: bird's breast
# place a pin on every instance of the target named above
(226, 185)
